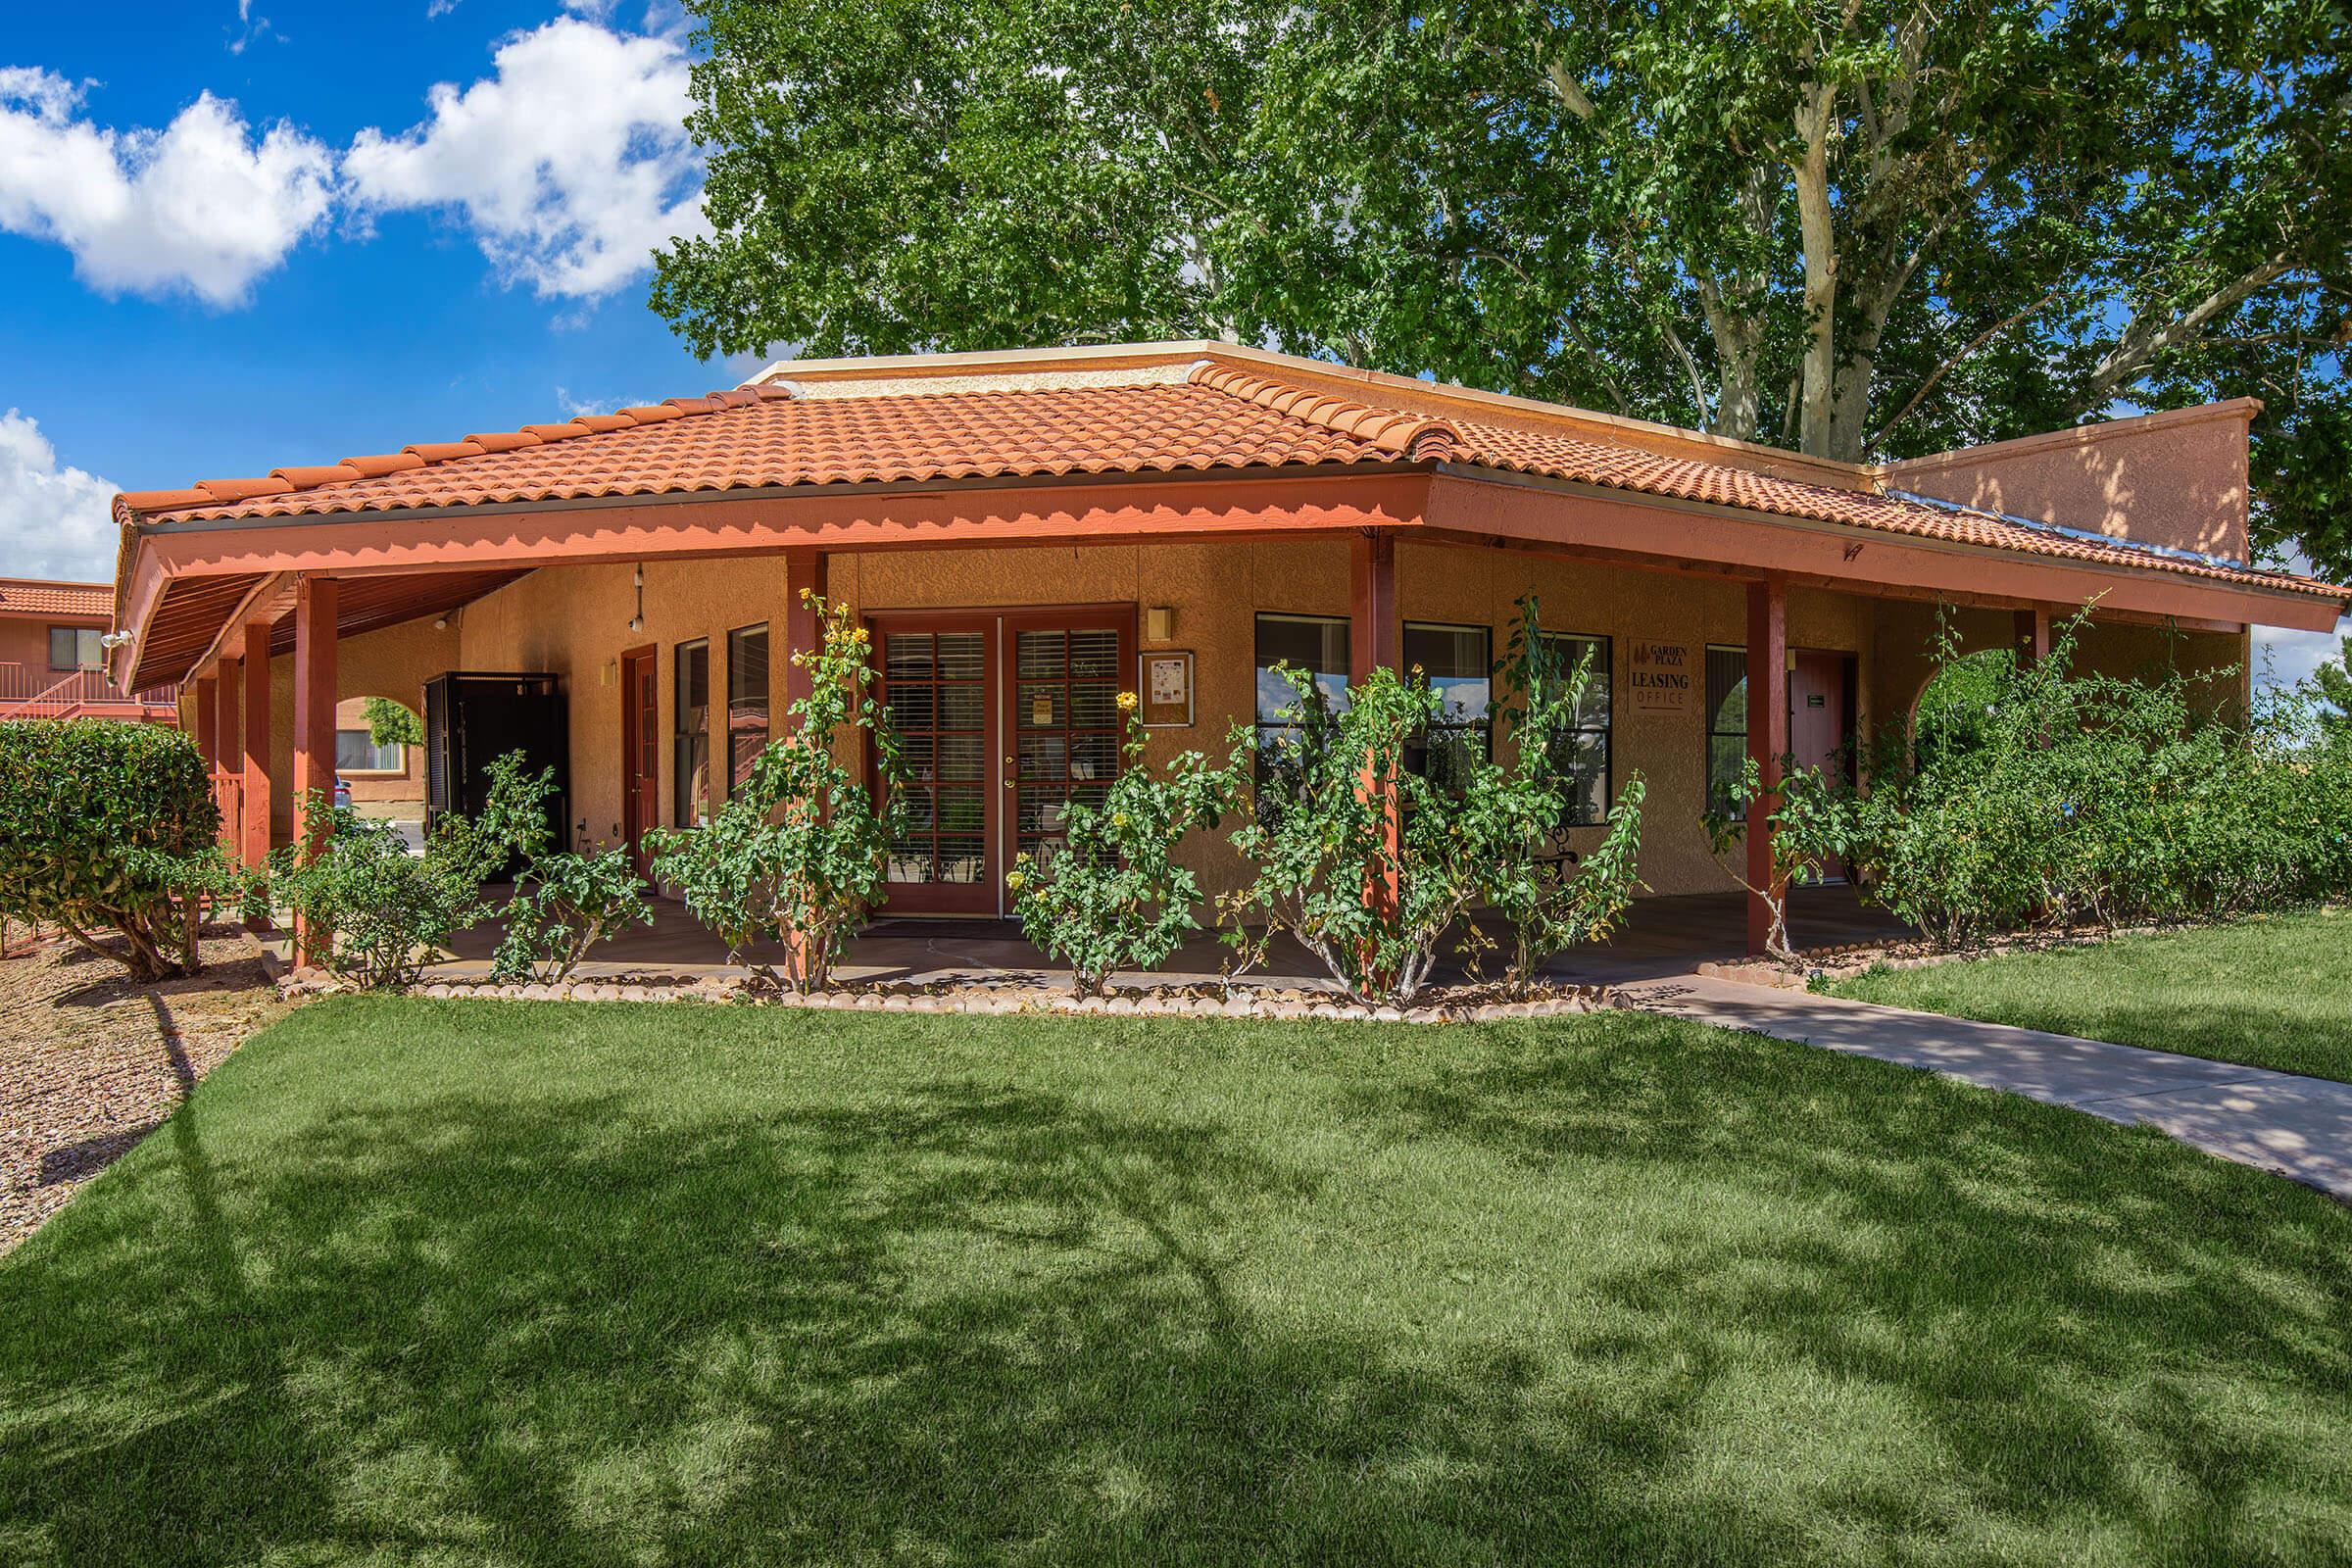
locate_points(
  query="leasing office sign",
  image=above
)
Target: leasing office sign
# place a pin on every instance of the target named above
(1662, 677)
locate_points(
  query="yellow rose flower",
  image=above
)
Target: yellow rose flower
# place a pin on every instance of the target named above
(1126, 702)
(1014, 881)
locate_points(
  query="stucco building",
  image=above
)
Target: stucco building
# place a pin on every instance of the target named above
(1029, 533)
(53, 655)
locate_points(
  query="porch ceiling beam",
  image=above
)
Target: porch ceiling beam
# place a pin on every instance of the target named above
(269, 600)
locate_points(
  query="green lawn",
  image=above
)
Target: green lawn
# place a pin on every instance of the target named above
(2274, 992)
(413, 1282)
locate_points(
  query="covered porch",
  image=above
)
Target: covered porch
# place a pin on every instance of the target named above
(1151, 508)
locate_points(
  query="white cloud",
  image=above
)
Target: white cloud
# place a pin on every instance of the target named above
(54, 521)
(2284, 658)
(200, 207)
(570, 164)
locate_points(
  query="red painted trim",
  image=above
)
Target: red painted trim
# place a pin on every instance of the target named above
(1885, 565)
(314, 600)
(804, 571)
(2033, 635)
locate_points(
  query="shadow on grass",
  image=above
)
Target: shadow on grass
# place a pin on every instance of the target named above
(962, 1311)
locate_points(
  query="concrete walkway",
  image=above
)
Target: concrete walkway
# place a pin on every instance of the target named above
(2296, 1127)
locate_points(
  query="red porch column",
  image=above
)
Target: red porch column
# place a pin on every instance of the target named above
(313, 722)
(1375, 637)
(255, 751)
(2033, 636)
(1767, 736)
(804, 571)
(1375, 634)
(206, 721)
(227, 775)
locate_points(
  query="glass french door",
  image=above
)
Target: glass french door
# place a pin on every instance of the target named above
(937, 678)
(1003, 722)
(1065, 723)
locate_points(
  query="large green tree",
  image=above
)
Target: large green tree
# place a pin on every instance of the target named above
(1859, 228)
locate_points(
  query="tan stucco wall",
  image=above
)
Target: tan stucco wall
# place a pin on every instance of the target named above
(573, 620)
(2175, 479)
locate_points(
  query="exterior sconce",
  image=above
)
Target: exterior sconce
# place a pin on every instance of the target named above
(1159, 622)
(637, 581)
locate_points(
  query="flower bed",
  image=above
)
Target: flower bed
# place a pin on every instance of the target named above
(1022, 994)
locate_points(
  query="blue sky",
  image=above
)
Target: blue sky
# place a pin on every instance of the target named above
(233, 239)
(241, 235)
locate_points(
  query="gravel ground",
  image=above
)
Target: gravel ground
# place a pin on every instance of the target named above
(91, 1063)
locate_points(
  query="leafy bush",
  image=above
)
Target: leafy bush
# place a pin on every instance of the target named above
(800, 850)
(564, 906)
(388, 914)
(1112, 896)
(391, 724)
(1547, 907)
(1812, 816)
(2082, 796)
(1372, 889)
(108, 825)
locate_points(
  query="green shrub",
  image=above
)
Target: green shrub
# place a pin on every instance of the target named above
(800, 850)
(1545, 907)
(564, 906)
(108, 825)
(2087, 798)
(388, 913)
(1813, 819)
(1112, 896)
(1373, 893)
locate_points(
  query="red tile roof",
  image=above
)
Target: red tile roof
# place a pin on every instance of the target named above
(1219, 418)
(28, 596)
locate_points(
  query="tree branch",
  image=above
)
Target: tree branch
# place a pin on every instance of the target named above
(1967, 351)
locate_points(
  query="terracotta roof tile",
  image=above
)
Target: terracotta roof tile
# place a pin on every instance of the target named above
(23, 596)
(1565, 456)
(1219, 418)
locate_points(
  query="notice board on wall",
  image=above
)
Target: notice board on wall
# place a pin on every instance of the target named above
(1662, 677)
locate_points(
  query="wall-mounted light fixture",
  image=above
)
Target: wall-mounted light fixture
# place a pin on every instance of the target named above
(637, 622)
(1159, 622)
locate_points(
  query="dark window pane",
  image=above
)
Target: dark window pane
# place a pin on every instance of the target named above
(747, 700)
(1042, 655)
(1727, 691)
(1093, 656)
(690, 783)
(961, 653)
(909, 656)
(1305, 642)
(355, 752)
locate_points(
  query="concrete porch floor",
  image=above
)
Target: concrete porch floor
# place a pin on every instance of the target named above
(1663, 937)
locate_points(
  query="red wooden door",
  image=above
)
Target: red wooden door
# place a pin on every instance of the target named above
(1819, 721)
(641, 752)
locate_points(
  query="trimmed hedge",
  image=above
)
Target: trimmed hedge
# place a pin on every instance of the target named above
(93, 814)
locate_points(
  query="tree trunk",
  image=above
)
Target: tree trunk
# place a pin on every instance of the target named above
(1816, 226)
